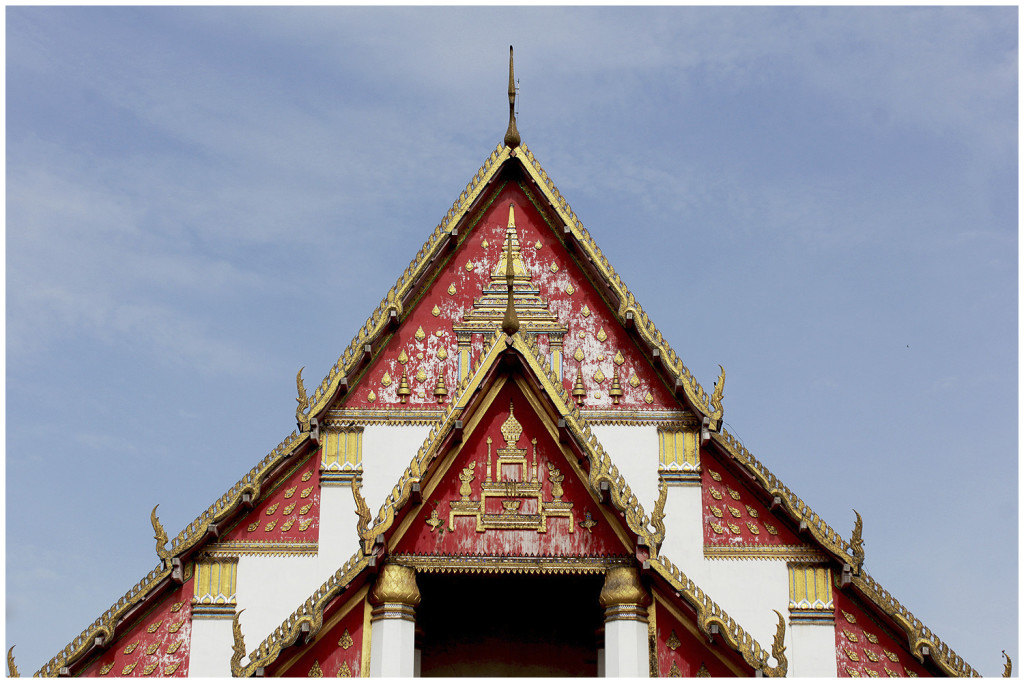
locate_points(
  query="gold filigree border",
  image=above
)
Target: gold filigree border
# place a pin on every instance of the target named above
(256, 548)
(794, 553)
(497, 564)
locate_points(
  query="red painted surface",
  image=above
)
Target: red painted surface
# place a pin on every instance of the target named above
(864, 648)
(288, 512)
(726, 501)
(333, 652)
(469, 284)
(557, 540)
(156, 645)
(689, 653)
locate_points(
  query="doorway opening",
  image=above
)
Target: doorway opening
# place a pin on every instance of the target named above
(509, 624)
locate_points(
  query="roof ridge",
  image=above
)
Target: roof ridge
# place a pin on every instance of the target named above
(104, 626)
(919, 635)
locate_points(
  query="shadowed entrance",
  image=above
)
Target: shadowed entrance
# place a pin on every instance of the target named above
(508, 625)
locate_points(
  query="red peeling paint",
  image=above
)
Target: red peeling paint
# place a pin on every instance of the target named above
(677, 647)
(864, 648)
(337, 652)
(290, 512)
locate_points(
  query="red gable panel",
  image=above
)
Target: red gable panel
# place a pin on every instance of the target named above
(864, 648)
(289, 512)
(556, 295)
(157, 645)
(337, 650)
(516, 495)
(679, 652)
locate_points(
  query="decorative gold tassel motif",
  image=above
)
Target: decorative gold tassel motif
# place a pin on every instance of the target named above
(616, 391)
(440, 391)
(578, 392)
(403, 388)
(510, 324)
(512, 139)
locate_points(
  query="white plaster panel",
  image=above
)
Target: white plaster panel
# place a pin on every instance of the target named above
(387, 451)
(338, 538)
(626, 652)
(684, 532)
(210, 649)
(269, 589)
(392, 648)
(634, 450)
(813, 650)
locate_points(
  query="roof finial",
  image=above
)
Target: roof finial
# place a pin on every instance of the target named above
(510, 324)
(512, 134)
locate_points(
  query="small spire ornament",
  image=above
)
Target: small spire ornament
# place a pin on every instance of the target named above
(510, 324)
(512, 139)
(616, 391)
(578, 392)
(440, 391)
(403, 388)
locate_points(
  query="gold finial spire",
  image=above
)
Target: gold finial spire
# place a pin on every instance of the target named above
(512, 134)
(510, 324)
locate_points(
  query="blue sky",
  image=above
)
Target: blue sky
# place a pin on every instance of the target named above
(823, 200)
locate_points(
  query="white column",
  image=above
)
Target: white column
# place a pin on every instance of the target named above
(211, 645)
(626, 653)
(393, 623)
(812, 648)
(338, 537)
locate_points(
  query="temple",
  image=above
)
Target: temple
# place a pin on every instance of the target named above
(508, 472)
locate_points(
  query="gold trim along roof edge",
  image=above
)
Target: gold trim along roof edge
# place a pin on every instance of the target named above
(709, 405)
(918, 634)
(104, 626)
(708, 613)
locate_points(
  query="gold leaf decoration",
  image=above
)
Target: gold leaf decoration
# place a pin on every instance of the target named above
(753, 528)
(716, 511)
(618, 359)
(633, 381)
(585, 312)
(305, 493)
(890, 673)
(578, 355)
(305, 524)
(485, 243)
(173, 647)
(852, 637)
(173, 628)
(673, 641)
(131, 648)
(315, 671)
(273, 508)
(290, 492)
(344, 671)
(128, 668)
(715, 493)
(600, 357)
(153, 627)
(287, 526)
(152, 647)
(751, 511)
(420, 334)
(703, 672)
(581, 334)
(451, 289)
(469, 266)
(597, 394)
(717, 528)
(307, 476)
(435, 311)
(873, 674)
(872, 638)
(371, 397)
(386, 380)
(911, 673)
(288, 510)
(853, 673)
(649, 398)
(538, 244)
(402, 358)
(849, 617)
(599, 376)
(554, 268)
(770, 529)
(104, 670)
(305, 508)
(270, 525)
(177, 606)
(871, 655)
(253, 527)
(674, 671)
(733, 528)
(714, 475)
(345, 642)
(735, 495)
(441, 353)
(440, 333)
(569, 289)
(851, 654)
(172, 668)
(733, 511)
(421, 375)
(893, 657)
(149, 668)
(601, 336)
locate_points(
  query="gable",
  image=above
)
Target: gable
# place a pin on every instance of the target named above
(444, 331)
(287, 513)
(681, 650)
(510, 490)
(865, 648)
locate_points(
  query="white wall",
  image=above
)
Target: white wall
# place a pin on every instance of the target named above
(338, 538)
(387, 451)
(269, 589)
(812, 652)
(210, 649)
(634, 450)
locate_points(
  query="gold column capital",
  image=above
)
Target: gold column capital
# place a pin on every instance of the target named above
(396, 584)
(622, 587)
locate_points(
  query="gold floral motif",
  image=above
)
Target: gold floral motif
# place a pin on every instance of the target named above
(751, 511)
(853, 673)
(633, 381)
(849, 617)
(716, 511)
(578, 355)
(872, 638)
(304, 524)
(270, 525)
(344, 671)
(597, 394)
(451, 289)
(588, 522)
(173, 628)
(371, 397)
(554, 268)
(734, 511)
(717, 528)
(649, 398)
(253, 527)
(153, 627)
(873, 674)
(599, 376)
(538, 244)
(703, 672)
(753, 528)
(770, 529)
(273, 508)
(485, 243)
(441, 353)
(618, 359)
(735, 495)
(291, 492)
(601, 335)
(911, 673)
(469, 266)
(149, 668)
(173, 647)
(733, 528)
(177, 606)
(128, 668)
(421, 375)
(131, 648)
(287, 526)
(305, 508)
(305, 493)
(715, 475)
(871, 655)
(581, 334)
(307, 476)
(288, 510)
(345, 642)
(403, 358)
(852, 637)
(673, 641)
(569, 289)
(893, 657)
(420, 334)
(890, 673)
(386, 380)
(152, 648)
(435, 311)
(585, 312)
(172, 668)
(715, 493)
(439, 333)
(851, 654)
(104, 670)
(315, 671)
(674, 672)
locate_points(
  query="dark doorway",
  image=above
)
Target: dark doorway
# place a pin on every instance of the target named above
(508, 624)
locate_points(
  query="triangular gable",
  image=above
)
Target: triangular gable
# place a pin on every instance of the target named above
(533, 380)
(866, 648)
(286, 514)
